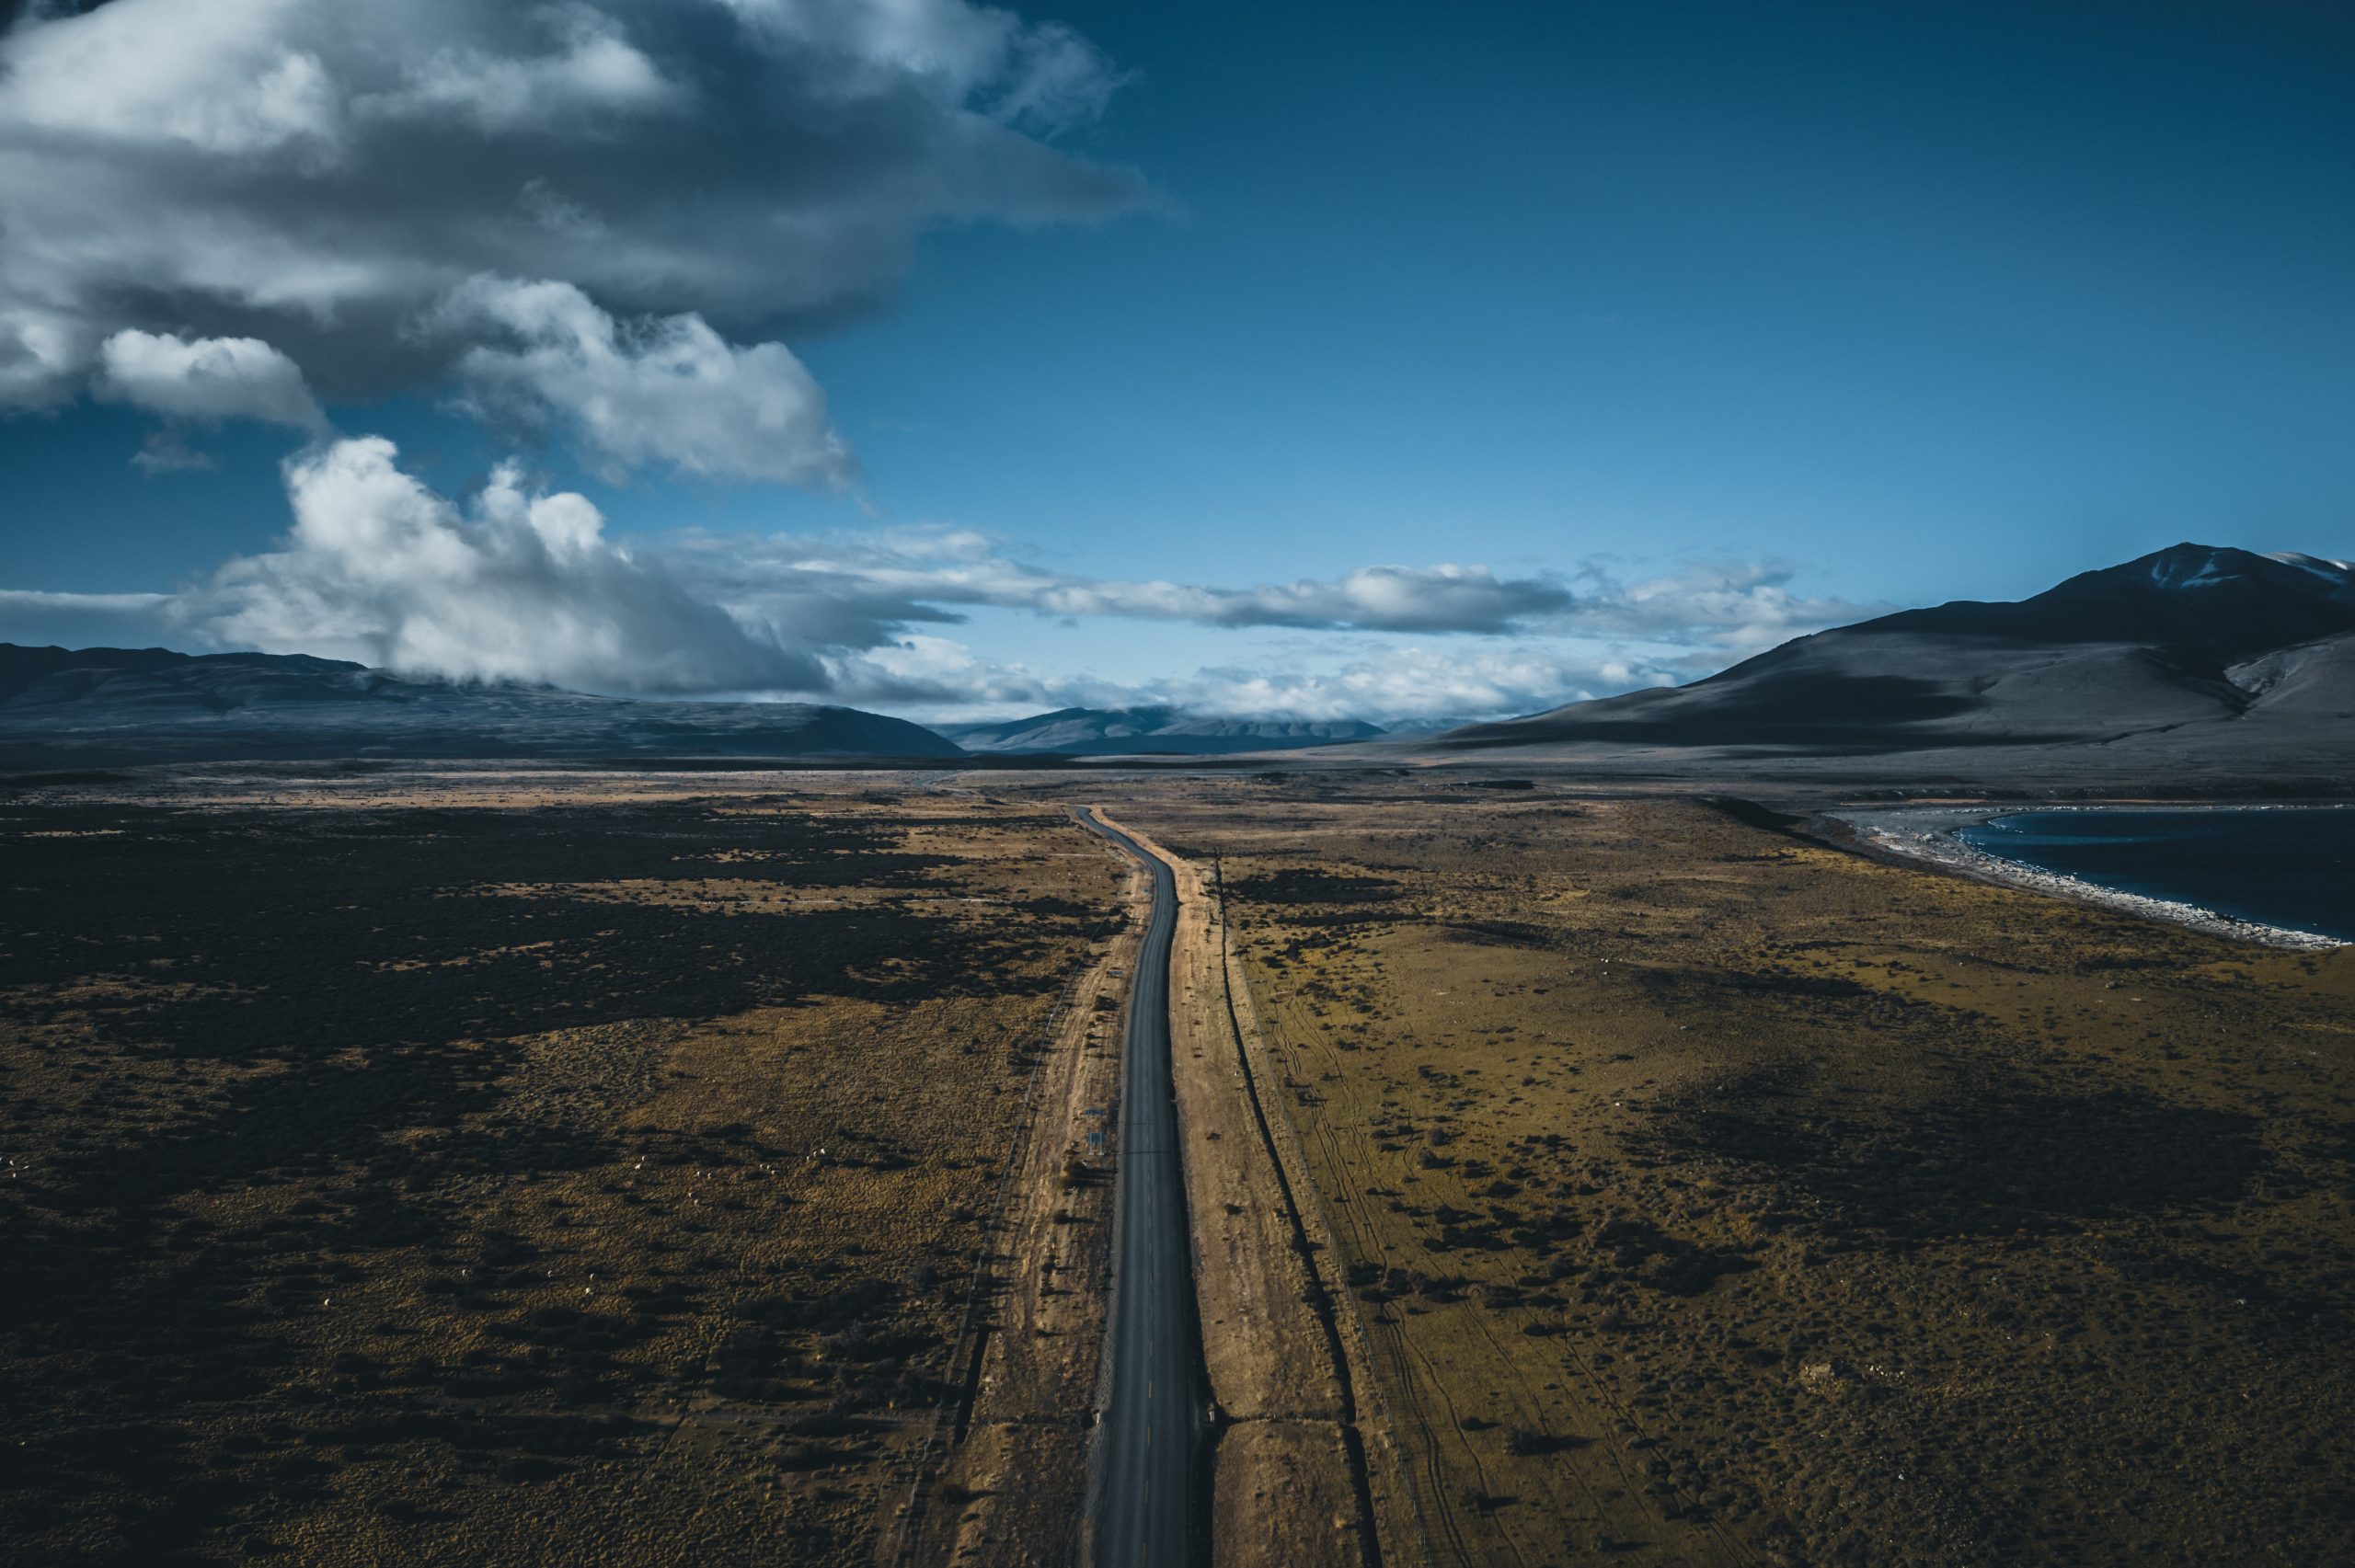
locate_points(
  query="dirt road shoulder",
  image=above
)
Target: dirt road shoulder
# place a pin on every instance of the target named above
(1011, 1487)
(1302, 1473)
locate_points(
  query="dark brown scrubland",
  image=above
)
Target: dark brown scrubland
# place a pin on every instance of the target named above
(1711, 1195)
(593, 1168)
(497, 1169)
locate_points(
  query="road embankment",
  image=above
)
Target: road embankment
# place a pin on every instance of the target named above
(1011, 1485)
(1301, 1471)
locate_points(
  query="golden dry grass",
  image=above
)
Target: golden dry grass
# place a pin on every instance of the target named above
(573, 1168)
(474, 1169)
(1712, 1196)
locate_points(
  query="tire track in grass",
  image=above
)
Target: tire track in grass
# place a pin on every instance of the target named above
(1404, 1348)
(1321, 1302)
(1310, 1033)
(1302, 1026)
(1441, 1507)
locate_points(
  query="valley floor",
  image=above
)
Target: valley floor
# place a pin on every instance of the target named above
(1705, 1194)
(609, 1168)
(486, 1167)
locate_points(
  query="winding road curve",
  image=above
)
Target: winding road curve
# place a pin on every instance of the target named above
(1142, 1474)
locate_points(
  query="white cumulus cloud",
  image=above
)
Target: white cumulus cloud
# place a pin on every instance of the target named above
(588, 70)
(206, 380)
(940, 679)
(909, 576)
(519, 585)
(705, 177)
(666, 389)
(1420, 682)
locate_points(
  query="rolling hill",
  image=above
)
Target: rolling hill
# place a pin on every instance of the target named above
(104, 707)
(2192, 648)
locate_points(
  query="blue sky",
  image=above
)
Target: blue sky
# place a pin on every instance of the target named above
(1725, 321)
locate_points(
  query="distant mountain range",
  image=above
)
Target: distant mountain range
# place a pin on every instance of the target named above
(2194, 652)
(104, 707)
(1106, 732)
(119, 706)
(2193, 660)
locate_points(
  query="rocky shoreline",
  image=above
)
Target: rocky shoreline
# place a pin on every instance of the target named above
(1929, 834)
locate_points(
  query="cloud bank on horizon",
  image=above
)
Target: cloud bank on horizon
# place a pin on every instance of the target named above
(254, 210)
(521, 583)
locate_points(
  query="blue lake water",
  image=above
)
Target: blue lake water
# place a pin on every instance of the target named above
(2291, 867)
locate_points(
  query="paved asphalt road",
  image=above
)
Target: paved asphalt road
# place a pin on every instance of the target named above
(1141, 1479)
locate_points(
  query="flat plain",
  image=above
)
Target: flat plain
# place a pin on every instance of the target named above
(1710, 1195)
(559, 1166)
(494, 1166)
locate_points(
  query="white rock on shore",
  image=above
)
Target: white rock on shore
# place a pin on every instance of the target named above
(1928, 834)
